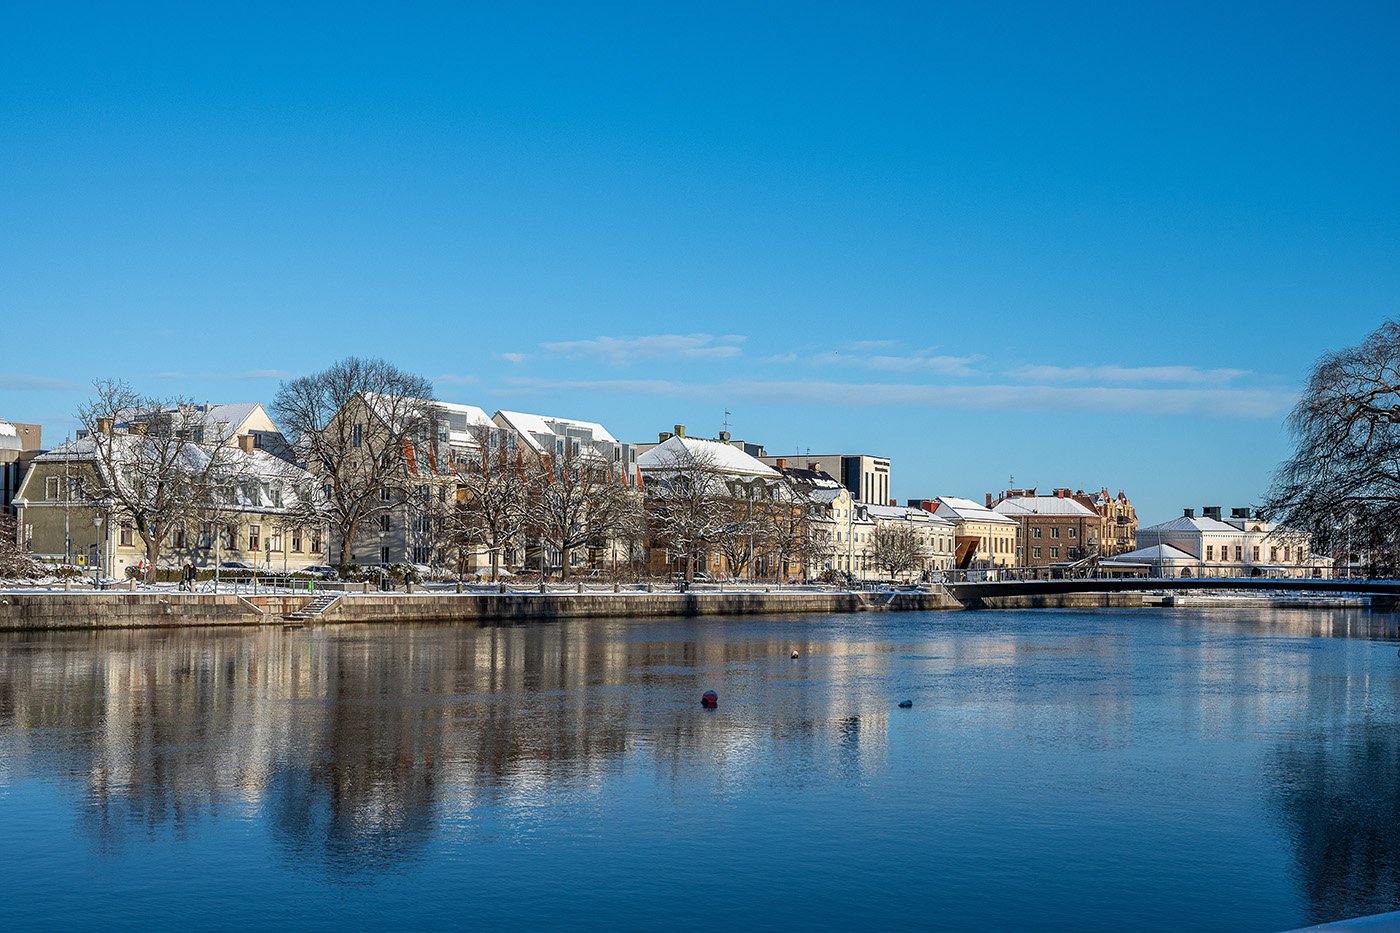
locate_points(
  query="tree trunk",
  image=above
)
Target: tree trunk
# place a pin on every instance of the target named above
(152, 555)
(347, 545)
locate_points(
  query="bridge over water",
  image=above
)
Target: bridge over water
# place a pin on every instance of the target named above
(966, 592)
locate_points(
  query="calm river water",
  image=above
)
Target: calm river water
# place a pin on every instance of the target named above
(1231, 770)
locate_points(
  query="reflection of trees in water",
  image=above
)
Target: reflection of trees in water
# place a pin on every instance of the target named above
(1340, 799)
(355, 741)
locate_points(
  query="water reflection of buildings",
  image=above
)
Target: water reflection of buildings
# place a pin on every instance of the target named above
(354, 744)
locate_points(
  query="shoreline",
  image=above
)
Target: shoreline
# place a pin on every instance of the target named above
(91, 610)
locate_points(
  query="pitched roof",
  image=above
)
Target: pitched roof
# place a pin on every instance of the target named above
(903, 513)
(1154, 553)
(1187, 523)
(968, 511)
(1043, 505)
(725, 458)
(529, 426)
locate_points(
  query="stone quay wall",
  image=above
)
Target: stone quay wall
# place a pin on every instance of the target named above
(56, 610)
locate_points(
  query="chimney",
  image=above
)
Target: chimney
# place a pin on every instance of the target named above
(245, 443)
(680, 430)
(894, 502)
(814, 467)
(1240, 513)
(1211, 511)
(724, 436)
(989, 500)
(1060, 493)
(1188, 513)
(782, 463)
(664, 436)
(104, 425)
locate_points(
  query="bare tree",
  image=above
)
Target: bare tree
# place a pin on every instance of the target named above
(494, 511)
(744, 514)
(16, 563)
(897, 548)
(160, 462)
(685, 488)
(1345, 469)
(366, 428)
(577, 500)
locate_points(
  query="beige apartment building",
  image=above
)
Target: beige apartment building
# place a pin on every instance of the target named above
(65, 517)
(985, 539)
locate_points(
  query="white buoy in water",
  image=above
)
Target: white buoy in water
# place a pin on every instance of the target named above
(794, 652)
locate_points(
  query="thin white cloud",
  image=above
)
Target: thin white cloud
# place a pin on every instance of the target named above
(620, 350)
(516, 358)
(1129, 375)
(1211, 402)
(455, 380)
(917, 361)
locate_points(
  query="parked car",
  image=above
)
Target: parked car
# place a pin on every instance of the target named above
(234, 565)
(319, 571)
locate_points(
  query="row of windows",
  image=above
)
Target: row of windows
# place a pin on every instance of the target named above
(229, 538)
(1287, 553)
(1055, 532)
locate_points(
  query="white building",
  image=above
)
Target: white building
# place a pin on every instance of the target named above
(1239, 546)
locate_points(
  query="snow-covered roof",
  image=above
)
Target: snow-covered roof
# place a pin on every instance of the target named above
(966, 510)
(677, 450)
(884, 513)
(1043, 505)
(1156, 552)
(1190, 524)
(531, 427)
(8, 430)
(237, 463)
(462, 420)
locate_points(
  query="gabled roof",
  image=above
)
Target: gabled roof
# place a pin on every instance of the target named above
(1190, 524)
(1156, 552)
(725, 458)
(1043, 505)
(965, 510)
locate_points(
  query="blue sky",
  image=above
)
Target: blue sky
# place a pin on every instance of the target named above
(1082, 245)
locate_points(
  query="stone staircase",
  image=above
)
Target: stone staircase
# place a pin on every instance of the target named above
(315, 608)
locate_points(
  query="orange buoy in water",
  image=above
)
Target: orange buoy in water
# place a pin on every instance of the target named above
(710, 700)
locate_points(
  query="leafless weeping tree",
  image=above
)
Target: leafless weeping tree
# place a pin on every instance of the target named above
(897, 549)
(496, 494)
(685, 487)
(1345, 468)
(577, 500)
(160, 463)
(366, 428)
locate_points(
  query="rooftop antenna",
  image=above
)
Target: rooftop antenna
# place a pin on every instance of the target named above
(727, 413)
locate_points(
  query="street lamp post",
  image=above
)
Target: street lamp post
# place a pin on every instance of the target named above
(383, 555)
(97, 569)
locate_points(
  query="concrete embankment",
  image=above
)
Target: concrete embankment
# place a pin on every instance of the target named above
(50, 610)
(1061, 601)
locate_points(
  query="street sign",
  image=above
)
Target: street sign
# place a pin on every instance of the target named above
(82, 560)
